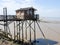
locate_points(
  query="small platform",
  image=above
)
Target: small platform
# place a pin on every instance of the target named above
(14, 18)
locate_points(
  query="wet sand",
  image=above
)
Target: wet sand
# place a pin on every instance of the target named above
(51, 31)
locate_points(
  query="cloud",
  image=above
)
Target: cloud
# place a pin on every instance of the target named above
(43, 11)
(12, 5)
(5, 0)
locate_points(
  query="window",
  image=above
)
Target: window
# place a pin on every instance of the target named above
(30, 12)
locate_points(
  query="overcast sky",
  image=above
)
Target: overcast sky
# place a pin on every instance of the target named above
(45, 8)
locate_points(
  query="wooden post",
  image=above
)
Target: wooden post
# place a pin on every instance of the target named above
(22, 34)
(14, 30)
(30, 30)
(19, 30)
(26, 29)
(34, 34)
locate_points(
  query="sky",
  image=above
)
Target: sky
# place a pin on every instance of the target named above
(45, 8)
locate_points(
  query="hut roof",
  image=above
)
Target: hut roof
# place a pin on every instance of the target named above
(24, 9)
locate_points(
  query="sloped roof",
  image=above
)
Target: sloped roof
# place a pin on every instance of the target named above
(23, 9)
